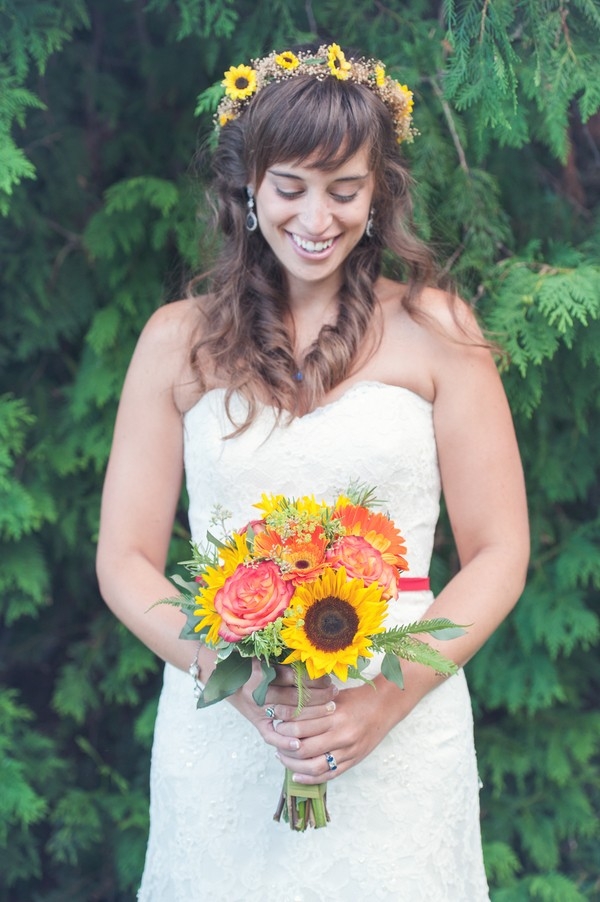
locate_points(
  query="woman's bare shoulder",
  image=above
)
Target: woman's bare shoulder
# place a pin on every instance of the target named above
(164, 350)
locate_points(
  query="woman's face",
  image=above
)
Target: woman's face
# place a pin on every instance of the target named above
(312, 219)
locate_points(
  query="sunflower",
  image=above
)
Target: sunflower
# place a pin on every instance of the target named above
(214, 578)
(300, 557)
(287, 60)
(330, 621)
(337, 62)
(240, 82)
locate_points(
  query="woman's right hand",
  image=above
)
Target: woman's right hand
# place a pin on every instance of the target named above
(281, 703)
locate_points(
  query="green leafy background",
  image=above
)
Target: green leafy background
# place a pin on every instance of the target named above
(98, 204)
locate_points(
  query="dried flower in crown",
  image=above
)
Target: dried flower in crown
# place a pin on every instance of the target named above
(242, 83)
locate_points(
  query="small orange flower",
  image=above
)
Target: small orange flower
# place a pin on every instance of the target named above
(377, 529)
(300, 557)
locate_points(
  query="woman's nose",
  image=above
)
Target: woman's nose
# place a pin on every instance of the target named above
(315, 216)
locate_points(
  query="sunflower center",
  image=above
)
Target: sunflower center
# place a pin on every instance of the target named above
(241, 82)
(331, 624)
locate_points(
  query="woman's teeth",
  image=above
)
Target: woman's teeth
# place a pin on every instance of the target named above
(313, 247)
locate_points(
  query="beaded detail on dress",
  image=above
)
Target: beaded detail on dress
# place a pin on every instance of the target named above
(405, 821)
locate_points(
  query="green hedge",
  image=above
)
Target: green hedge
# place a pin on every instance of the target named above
(98, 205)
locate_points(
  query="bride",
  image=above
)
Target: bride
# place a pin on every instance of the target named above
(302, 369)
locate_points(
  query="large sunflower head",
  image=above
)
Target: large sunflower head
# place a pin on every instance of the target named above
(329, 623)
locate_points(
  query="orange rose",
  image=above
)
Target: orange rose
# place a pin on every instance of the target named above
(362, 561)
(250, 598)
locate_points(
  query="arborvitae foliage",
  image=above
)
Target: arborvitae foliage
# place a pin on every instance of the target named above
(100, 227)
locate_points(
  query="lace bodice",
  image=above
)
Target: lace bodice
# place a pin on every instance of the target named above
(377, 434)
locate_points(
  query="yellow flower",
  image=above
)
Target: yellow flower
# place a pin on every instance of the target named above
(287, 60)
(329, 622)
(404, 89)
(214, 579)
(240, 82)
(307, 504)
(337, 62)
(380, 76)
(224, 118)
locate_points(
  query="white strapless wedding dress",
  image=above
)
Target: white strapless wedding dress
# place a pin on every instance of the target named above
(405, 821)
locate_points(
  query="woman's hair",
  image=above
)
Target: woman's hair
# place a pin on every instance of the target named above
(245, 340)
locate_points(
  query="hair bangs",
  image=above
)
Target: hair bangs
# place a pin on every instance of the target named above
(326, 121)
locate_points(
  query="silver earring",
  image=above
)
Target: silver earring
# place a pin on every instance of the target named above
(251, 220)
(369, 229)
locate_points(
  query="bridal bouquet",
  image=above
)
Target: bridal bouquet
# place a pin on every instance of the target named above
(305, 584)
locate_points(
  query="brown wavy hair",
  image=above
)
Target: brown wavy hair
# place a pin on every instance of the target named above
(244, 339)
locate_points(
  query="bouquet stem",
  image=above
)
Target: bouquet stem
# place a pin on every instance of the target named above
(302, 806)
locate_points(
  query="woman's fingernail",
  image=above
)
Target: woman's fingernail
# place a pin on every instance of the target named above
(330, 706)
(294, 745)
(298, 778)
(336, 689)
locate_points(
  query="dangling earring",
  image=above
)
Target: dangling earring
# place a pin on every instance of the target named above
(251, 220)
(369, 228)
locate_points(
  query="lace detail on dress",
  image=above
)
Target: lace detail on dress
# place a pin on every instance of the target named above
(405, 821)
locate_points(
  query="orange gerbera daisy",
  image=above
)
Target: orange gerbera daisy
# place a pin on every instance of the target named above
(300, 556)
(377, 529)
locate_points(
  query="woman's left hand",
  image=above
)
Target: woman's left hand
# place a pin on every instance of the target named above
(362, 717)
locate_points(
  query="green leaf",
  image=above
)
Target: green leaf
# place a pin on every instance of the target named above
(268, 674)
(227, 677)
(391, 669)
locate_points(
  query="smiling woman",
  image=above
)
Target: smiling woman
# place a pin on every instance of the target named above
(302, 371)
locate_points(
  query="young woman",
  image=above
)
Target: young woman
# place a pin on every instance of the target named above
(303, 369)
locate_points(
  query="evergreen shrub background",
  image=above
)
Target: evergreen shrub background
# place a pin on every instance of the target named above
(98, 206)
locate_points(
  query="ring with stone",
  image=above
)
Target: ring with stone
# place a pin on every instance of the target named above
(331, 762)
(270, 711)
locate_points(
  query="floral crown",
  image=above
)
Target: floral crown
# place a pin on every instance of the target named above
(242, 83)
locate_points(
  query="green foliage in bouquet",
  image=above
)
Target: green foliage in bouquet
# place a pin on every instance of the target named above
(99, 226)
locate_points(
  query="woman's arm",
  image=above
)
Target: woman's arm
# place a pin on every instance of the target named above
(142, 487)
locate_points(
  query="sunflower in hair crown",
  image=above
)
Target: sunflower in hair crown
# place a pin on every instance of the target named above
(242, 83)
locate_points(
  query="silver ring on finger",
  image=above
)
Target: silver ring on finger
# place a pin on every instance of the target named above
(331, 762)
(270, 711)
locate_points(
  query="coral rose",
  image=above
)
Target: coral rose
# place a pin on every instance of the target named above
(362, 561)
(251, 597)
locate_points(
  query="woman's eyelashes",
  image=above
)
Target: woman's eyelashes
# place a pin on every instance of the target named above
(293, 195)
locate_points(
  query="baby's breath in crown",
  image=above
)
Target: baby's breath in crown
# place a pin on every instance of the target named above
(243, 82)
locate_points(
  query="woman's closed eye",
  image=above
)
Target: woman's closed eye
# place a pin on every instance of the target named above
(293, 195)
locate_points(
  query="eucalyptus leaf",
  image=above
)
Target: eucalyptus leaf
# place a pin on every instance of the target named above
(268, 675)
(214, 541)
(392, 671)
(227, 677)
(189, 631)
(190, 586)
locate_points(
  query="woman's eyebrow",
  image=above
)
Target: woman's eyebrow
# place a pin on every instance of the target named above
(299, 178)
